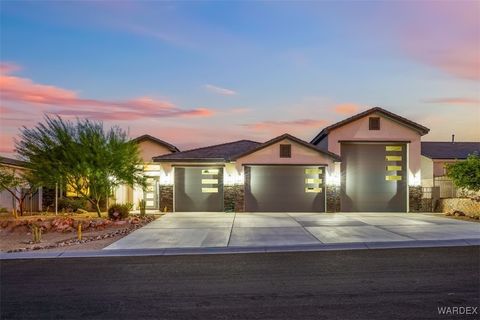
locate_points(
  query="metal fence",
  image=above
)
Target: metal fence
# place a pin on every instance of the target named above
(447, 187)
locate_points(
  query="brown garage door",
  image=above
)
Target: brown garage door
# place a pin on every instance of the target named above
(373, 177)
(284, 188)
(198, 189)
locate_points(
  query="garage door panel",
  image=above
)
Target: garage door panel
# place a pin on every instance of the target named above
(282, 188)
(373, 177)
(195, 190)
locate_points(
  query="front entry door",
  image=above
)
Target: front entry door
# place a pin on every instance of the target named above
(151, 193)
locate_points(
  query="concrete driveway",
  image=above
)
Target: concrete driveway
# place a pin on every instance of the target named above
(208, 230)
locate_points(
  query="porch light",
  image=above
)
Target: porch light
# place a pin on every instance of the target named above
(414, 180)
(332, 179)
(233, 179)
(166, 179)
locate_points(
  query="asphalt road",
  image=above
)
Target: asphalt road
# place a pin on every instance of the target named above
(364, 284)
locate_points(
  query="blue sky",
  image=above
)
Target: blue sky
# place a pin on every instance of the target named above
(185, 71)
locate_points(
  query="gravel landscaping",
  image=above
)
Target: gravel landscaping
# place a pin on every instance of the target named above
(59, 232)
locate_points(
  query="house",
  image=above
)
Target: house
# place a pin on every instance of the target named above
(149, 147)
(7, 201)
(434, 158)
(367, 162)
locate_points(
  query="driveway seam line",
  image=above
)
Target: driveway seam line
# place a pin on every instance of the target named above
(398, 234)
(320, 241)
(231, 229)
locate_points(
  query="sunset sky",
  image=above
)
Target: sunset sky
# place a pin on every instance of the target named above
(200, 73)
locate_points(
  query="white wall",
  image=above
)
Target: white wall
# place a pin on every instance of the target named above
(427, 171)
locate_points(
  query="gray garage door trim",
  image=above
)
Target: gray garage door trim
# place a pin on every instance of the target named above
(374, 177)
(198, 188)
(285, 188)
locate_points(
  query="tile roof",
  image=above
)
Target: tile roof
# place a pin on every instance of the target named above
(449, 150)
(216, 153)
(12, 162)
(421, 129)
(169, 146)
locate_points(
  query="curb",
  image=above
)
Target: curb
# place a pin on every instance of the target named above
(235, 250)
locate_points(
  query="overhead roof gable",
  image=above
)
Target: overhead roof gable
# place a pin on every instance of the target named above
(395, 117)
(148, 137)
(292, 138)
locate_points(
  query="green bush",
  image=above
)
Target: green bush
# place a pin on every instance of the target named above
(71, 204)
(119, 211)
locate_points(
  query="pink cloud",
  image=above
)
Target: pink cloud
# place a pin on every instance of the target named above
(284, 125)
(457, 100)
(8, 67)
(6, 143)
(67, 102)
(346, 108)
(219, 90)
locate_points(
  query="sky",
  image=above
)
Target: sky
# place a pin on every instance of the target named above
(206, 72)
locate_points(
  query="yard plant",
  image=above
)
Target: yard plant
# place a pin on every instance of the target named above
(19, 184)
(466, 174)
(82, 156)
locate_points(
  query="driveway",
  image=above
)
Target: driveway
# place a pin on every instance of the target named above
(208, 230)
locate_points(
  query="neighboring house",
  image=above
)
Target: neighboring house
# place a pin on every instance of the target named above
(7, 201)
(435, 156)
(148, 147)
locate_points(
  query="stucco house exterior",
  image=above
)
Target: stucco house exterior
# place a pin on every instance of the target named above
(380, 154)
(149, 147)
(369, 162)
(364, 163)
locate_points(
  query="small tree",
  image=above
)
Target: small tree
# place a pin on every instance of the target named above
(84, 156)
(466, 174)
(19, 184)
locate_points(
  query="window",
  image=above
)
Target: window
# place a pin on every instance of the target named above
(393, 178)
(393, 158)
(285, 151)
(394, 168)
(374, 123)
(393, 148)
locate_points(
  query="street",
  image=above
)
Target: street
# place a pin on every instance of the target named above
(362, 284)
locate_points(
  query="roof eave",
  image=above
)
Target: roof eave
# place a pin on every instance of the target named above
(203, 160)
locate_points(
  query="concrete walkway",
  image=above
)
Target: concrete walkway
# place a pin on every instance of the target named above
(247, 231)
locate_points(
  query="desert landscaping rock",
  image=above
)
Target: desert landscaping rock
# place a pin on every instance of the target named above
(65, 225)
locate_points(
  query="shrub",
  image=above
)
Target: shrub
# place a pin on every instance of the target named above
(118, 211)
(466, 174)
(142, 204)
(71, 204)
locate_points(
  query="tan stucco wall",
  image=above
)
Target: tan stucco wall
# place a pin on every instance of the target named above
(389, 131)
(271, 155)
(149, 149)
